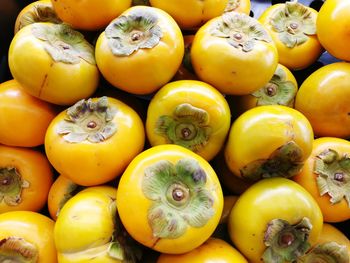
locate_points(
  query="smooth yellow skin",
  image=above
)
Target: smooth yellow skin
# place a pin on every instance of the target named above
(133, 206)
(146, 70)
(300, 56)
(323, 98)
(24, 118)
(58, 191)
(258, 132)
(268, 199)
(230, 69)
(191, 14)
(90, 14)
(85, 226)
(199, 94)
(212, 250)
(42, 77)
(89, 163)
(333, 28)
(34, 228)
(247, 102)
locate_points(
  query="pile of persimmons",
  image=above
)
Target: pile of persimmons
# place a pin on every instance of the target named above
(176, 131)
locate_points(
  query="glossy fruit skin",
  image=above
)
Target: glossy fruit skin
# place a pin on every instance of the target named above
(247, 102)
(133, 206)
(258, 132)
(55, 82)
(212, 250)
(24, 118)
(268, 199)
(322, 98)
(102, 161)
(60, 190)
(200, 11)
(146, 70)
(89, 15)
(34, 168)
(307, 178)
(332, 234)
(333, 28)
(229, 69)
(300, 56)
(35, 228)
(200, 95)
(89, 218)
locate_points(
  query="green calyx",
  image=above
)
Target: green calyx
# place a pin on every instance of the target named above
(18, 250)
(333, 175)
(138, 30)
(286, 242)
(278, 91)
(41, 12)
(294, 23)
(232, 5)
(283, 162)
(88, 121)
(63, 43)
(11, 185)
(330, 252)
(187, 127)
(179, 198)
(240, 30)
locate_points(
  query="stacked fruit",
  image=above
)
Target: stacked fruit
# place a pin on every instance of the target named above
(175, 131)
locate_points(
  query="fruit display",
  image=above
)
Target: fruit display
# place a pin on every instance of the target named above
(175, 131)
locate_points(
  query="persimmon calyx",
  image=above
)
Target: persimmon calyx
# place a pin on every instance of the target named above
(178, 195)
(240, 30)
(187, 127)
(11, 186)
(63, 43)
(286, 242)
(18, 250)
(278, 91)
(294, 23)
(129, 33)
(41, 12)
(88, 121)
(333, 175)
(232, 5)
(330, 252)
(286, 161)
